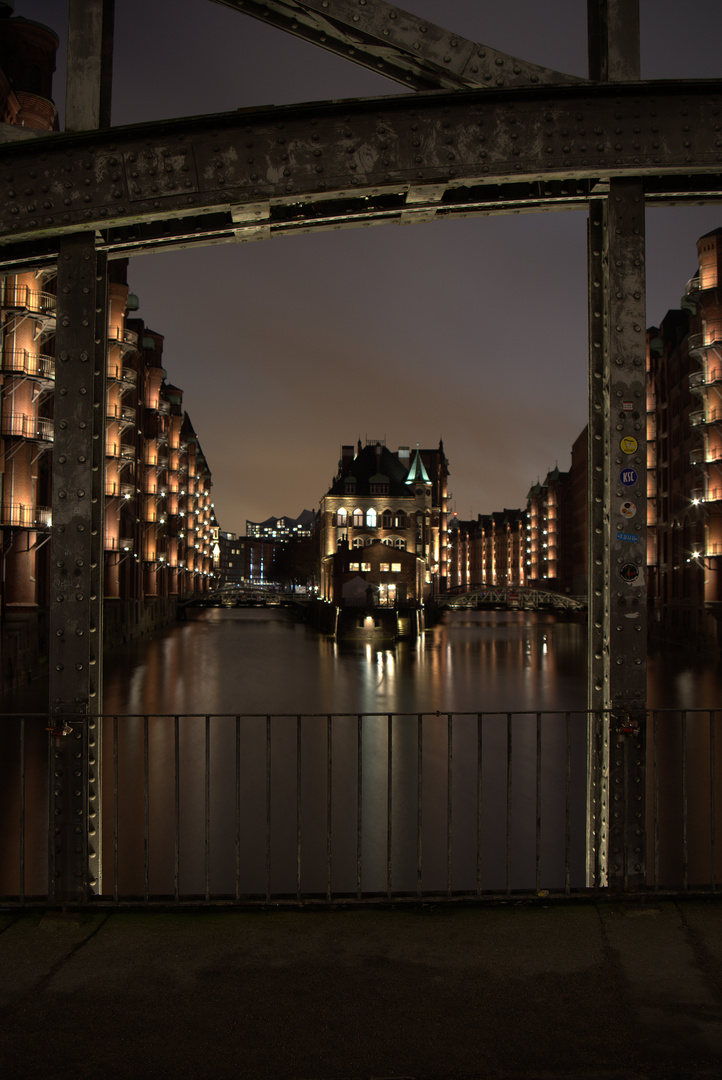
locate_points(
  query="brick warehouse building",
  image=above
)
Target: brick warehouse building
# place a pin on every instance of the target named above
(157, 489)
(684, 366)
(398, 499)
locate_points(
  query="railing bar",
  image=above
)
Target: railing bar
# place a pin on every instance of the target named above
(508, 800)
(146, 823)
(685, 848)
(298, 807)
(479, 793)
(238, 807)
(176, 806)
(207, 789)
(268, 808)
(329, 803)
(712, 800)
(419, 801)
(115, 808)
(389, 802)
(655, 795)
(22, 806)
(568, 810)
(449, 801)
(538, 800)
(359, 805)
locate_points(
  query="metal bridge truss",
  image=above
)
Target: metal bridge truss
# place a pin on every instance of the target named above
(512, 596)
(493, 135)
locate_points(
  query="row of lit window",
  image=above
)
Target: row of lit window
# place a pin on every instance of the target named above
(384, 567)
(389, 519)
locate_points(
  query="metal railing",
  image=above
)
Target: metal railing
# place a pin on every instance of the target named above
(359, 807)
(24, 362)
(36, 428)
(26, 516)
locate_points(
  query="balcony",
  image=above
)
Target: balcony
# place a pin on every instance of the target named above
(119, 543)
(19, 515)
(25, 298)
(128, 339)
(124, 375)
(115, 490)
(699, 344)
(123, 414)
(22, 362)
(38, 429)
(702, 456)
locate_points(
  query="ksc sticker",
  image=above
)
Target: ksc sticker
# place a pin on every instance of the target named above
(628, 477)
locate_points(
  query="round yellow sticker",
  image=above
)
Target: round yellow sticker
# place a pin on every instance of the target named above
(629, 444)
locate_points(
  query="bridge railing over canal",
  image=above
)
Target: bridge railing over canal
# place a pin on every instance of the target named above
(363, 807)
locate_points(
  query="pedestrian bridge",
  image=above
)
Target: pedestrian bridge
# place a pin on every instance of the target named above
(513, 597)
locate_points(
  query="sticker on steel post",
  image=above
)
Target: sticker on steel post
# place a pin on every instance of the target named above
(629, 572)
(628, 444)
(628, 477)
(628, 509)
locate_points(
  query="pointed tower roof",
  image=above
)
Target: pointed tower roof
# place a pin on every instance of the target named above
(417, 473)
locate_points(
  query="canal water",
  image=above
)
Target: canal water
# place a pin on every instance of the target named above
(403, 789)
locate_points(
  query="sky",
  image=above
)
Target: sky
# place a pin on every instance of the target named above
(472, 331)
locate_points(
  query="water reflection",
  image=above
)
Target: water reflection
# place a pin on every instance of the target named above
(300, 802)
(229, 661)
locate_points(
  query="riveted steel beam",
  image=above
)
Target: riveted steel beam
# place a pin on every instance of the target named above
(362, 151)
(397, 44)
(76, 554)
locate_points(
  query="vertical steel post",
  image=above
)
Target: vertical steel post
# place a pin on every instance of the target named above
(90, 64)
(76, 552)
(617, 671)
(618, 490)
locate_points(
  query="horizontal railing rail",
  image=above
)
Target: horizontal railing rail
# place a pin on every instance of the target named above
(360, 807)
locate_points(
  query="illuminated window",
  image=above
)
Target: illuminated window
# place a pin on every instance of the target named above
(353, 566)
(371, 518)
(358, 519)
(341, 517)
(395, 567)
(365, 566)
(384, 567)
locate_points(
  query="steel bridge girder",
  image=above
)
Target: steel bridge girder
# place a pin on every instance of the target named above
(265, 170)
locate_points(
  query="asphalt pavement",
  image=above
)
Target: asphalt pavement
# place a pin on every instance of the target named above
(604, 990)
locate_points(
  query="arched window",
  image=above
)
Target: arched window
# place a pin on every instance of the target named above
(358, 519)
(341, 517)
(387, 540)
(399, 543)
(401, 520)
(371, 518)
(388, 519)
(368, 541)
(358, 541)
